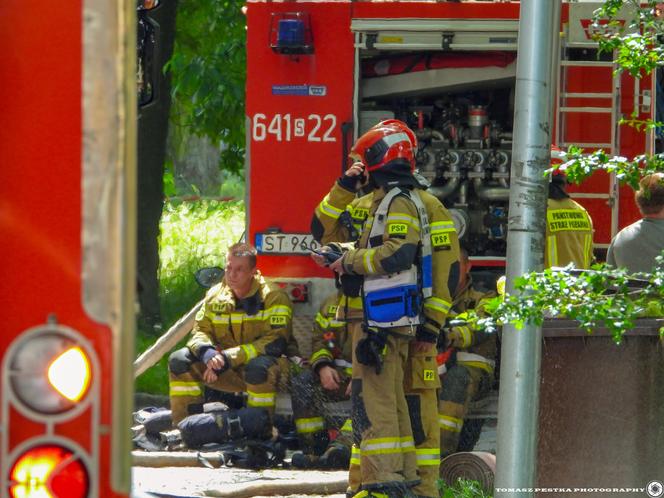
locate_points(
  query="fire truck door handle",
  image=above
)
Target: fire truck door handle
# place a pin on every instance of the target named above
(646, 101)
(346, 130)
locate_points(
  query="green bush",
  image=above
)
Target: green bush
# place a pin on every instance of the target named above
(463, 488)
(232, 185)
(193, 235)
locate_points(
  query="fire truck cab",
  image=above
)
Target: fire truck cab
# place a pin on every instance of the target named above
(321, 73)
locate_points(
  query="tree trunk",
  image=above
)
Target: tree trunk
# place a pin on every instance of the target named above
(152, 133)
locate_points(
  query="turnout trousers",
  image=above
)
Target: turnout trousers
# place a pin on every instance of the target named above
(383, 439)
(461, 384)
(308, 398)
(260, 378)
(421, 388)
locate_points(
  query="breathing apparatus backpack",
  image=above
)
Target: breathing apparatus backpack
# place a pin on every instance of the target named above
(245, 423)
(396, 300)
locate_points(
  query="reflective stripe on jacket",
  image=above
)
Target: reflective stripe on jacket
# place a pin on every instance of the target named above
(243, 336)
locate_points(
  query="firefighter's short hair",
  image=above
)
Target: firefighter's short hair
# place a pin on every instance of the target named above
(244, 250)
(650, 196)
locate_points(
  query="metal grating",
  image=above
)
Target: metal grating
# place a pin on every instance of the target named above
(302, 332)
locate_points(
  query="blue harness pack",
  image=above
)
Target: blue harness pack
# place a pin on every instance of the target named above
(395, 300)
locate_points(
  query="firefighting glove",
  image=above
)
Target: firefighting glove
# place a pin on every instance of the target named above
(352, 183)
(370, 350)
(460, 336)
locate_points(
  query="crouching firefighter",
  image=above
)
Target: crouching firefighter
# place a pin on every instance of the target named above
(329, 379)
(239, 336)
(470, 376)
(394, 254)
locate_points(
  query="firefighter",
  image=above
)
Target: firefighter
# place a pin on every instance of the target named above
(468, 374)
(327, 380)
(406, 230)
(240, 334)
(569, 228)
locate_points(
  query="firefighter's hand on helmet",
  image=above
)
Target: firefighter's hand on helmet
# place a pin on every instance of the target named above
(354, 178)
(370, 350)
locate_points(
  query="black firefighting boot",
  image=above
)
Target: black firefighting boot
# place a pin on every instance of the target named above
(336, 456)
(301, 460)
(313, 445)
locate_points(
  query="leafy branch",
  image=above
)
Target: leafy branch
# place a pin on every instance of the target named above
(208, 68)
(599, 297)
(578, 165)
(635, 43)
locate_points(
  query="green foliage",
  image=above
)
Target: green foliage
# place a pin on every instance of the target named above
(169, 180)
(600, 297)
(193, 235)
(208, 75)
(579, 165)
(232, 186)
(463, 488)
(634, 43)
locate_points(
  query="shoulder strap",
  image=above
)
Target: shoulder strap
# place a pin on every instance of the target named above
(378, 229)
(425, 238)
(380, 216)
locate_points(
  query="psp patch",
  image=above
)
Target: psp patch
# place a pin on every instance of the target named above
(278, 320)
(360, 214)
(440, 239)
(397, 229)
(429, 375)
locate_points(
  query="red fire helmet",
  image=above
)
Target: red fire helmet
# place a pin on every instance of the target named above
(556, 156)
(386, 142)
(401, 125)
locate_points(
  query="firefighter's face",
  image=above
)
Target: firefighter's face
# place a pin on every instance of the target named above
(239, 274)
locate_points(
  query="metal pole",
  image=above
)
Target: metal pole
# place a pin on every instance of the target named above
(554, 76)
(521, 349)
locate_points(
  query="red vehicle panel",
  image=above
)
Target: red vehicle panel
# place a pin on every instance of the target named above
(297, 108)
(48, 333)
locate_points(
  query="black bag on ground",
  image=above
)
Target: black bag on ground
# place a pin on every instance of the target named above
(255, 455)
(203, 428)
(157, 422)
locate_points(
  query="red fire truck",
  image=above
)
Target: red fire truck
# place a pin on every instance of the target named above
(322, 72)
(67, 148)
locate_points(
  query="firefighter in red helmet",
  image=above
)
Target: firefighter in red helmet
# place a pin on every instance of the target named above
(406, 263)
(569, 228)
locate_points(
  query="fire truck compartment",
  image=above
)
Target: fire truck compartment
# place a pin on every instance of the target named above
(460, 105)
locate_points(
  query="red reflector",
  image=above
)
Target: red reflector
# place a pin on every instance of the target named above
(299, 293)
(48, 471)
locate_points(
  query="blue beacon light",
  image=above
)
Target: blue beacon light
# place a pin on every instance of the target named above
(290, 33)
